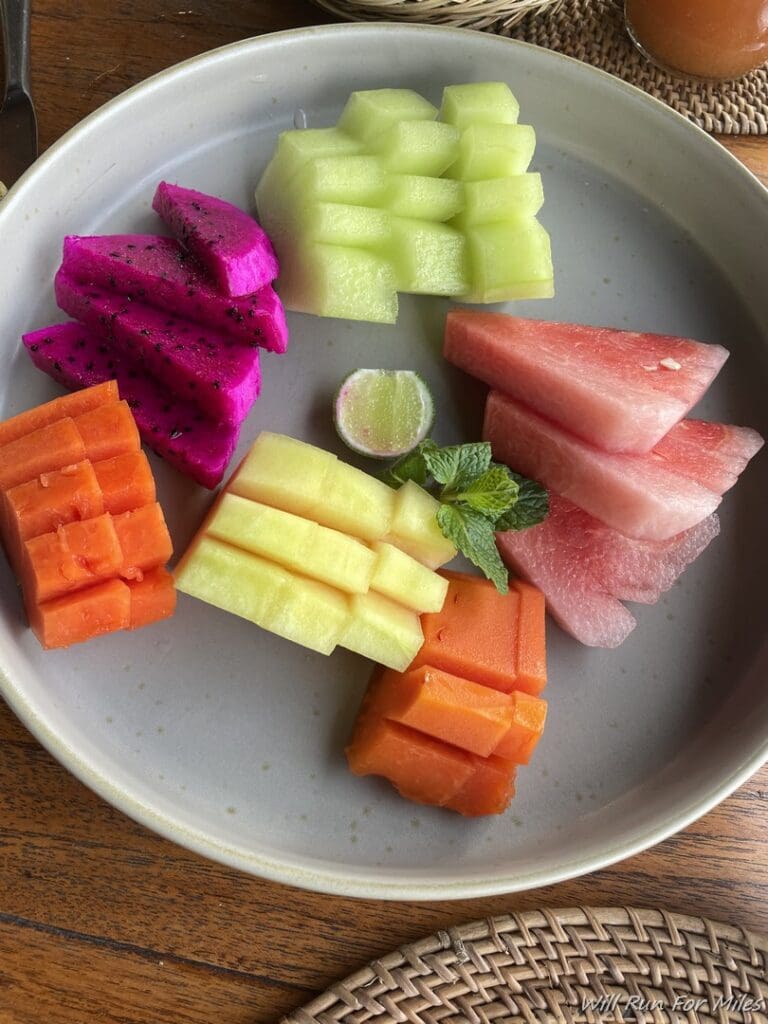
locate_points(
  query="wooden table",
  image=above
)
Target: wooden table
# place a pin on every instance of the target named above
(103, 921)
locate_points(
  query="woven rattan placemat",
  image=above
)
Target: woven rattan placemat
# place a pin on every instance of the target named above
(582, 964)
(593, 31)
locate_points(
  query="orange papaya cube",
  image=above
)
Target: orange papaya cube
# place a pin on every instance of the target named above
(126, 482)
(470, 716)
(419, 767)
(529, 716)
(53, 499)
(153, 597)
(82, 615)
(42, 451)
(474, 636)
(531, 638)
(65, 407)
(488, 791)
(108, 430)
(70, 558)
(144, 539)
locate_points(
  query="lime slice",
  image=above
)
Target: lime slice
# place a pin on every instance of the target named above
(383, 413)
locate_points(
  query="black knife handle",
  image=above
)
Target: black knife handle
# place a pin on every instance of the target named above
(15, 18)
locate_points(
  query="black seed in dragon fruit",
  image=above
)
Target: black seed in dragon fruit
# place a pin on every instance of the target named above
(231, 245)
(195, 444)
(170, 279)
(223, 374)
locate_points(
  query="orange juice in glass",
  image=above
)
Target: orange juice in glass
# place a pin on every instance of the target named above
(718, 39)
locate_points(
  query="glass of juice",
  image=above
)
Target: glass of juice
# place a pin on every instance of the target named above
(714, 39)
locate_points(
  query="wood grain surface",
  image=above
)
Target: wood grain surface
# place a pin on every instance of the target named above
(102, 921)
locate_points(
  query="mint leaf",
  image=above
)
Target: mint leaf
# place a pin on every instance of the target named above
(412, 466)
(458, 465)
(473, 535)
(530, 509)
(491, 494)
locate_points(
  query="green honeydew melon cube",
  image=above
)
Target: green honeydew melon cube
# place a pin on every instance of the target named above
(418, 196)
(355, 180)
(428, 258)
(340, 281)
(511, 260)
(418, 147)
(493, 151)
(300, 146)
(297, 544)
(415, 529)
(341, 224)
(479, 102)
(402, 578)
(370, 112)
(382, 630)
(231, 579)
(500, 199)
(285, 473)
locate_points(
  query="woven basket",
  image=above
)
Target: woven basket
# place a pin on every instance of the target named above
(496, 15)
(544, 966)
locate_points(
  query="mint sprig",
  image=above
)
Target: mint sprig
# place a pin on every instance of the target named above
(478, 497)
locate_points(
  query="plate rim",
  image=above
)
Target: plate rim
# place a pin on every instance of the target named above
(339, 881)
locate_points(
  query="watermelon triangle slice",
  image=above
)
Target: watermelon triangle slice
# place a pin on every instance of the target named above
(651, 497)
(585, 569)
(620, 391)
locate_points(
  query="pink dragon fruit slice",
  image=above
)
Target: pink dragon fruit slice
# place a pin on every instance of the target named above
(232, 247)
(178, 431)
(220, 375)
(158, 271)
(585, 568)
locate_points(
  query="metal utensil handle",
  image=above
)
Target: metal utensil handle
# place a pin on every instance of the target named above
(15, 18)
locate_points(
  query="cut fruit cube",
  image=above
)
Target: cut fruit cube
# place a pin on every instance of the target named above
(382, 630)
(83, 615)
(355, 180)
(493, 151)
(65, 407)
(144, 540)
(500, 199)
(494, 655)
(420, 197)
(418, 147)
(70, 558)
(52, 500)
(300, 147)
(511, 260)
(297, 543)
(343, 282)
(43, 451)
(309, 613)
(403, 579)
(342, 224)
(428, 258)
(415, 529)
(356, 503)
(152, 598)
(419, 767)
(108, 431)
(284, 472)
(367, 113)
(529, 715)
(232, 579)
(488, 791)
(126, 482)
(479, 103)
(468, 715)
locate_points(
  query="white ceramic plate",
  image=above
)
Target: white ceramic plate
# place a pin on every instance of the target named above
(228, 740)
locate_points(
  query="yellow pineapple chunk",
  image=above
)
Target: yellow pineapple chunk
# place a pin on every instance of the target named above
(414, 527)
(382, 630)
(403, 579)
(284, 472)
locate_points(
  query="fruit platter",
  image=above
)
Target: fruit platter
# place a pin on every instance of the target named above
(380, 462)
